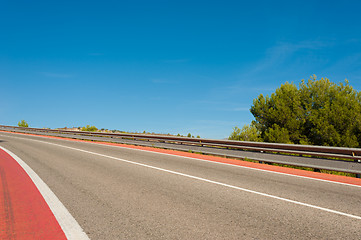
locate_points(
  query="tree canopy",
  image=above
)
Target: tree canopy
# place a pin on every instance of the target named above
(89, 128)
(247, 133)
(318, 112)
(23, 123)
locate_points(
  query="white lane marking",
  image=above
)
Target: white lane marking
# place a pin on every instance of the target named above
(233, 165)
(204, 160)
(70, 226)
(208, 181)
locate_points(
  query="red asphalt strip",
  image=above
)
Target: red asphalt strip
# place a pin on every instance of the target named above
(24, 214)
(291, 171)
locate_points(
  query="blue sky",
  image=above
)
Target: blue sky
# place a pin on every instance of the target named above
(166, 66)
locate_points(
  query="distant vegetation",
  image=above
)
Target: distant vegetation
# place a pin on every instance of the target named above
(89, 128)
(23, 123)
(318, 112)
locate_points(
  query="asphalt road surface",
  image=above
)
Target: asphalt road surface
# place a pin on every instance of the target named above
(120, 193)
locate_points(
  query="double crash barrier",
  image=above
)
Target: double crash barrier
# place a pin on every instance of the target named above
(317, 157)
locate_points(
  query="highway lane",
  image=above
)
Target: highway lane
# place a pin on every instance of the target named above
(327, 164)
(114, 199)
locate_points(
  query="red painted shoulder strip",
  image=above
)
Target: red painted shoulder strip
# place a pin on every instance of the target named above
(24, 214)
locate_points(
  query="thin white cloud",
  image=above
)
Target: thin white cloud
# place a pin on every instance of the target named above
(277, 61)
(352, 61)
(279, 53)
(353, 40)
(348, 67)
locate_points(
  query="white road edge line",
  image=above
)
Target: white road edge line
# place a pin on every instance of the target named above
(68, 224)
(204, 160)
(209, 181)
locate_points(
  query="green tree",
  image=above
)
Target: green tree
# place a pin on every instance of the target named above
(247, 133)
(333, 112)
(23, 123)
(279, 113)
(277, 134)
(319, 112)
(89, 128)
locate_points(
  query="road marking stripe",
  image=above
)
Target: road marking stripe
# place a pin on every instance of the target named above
(209, 181)
(239, 166)
(193, 158)
(66, 221)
